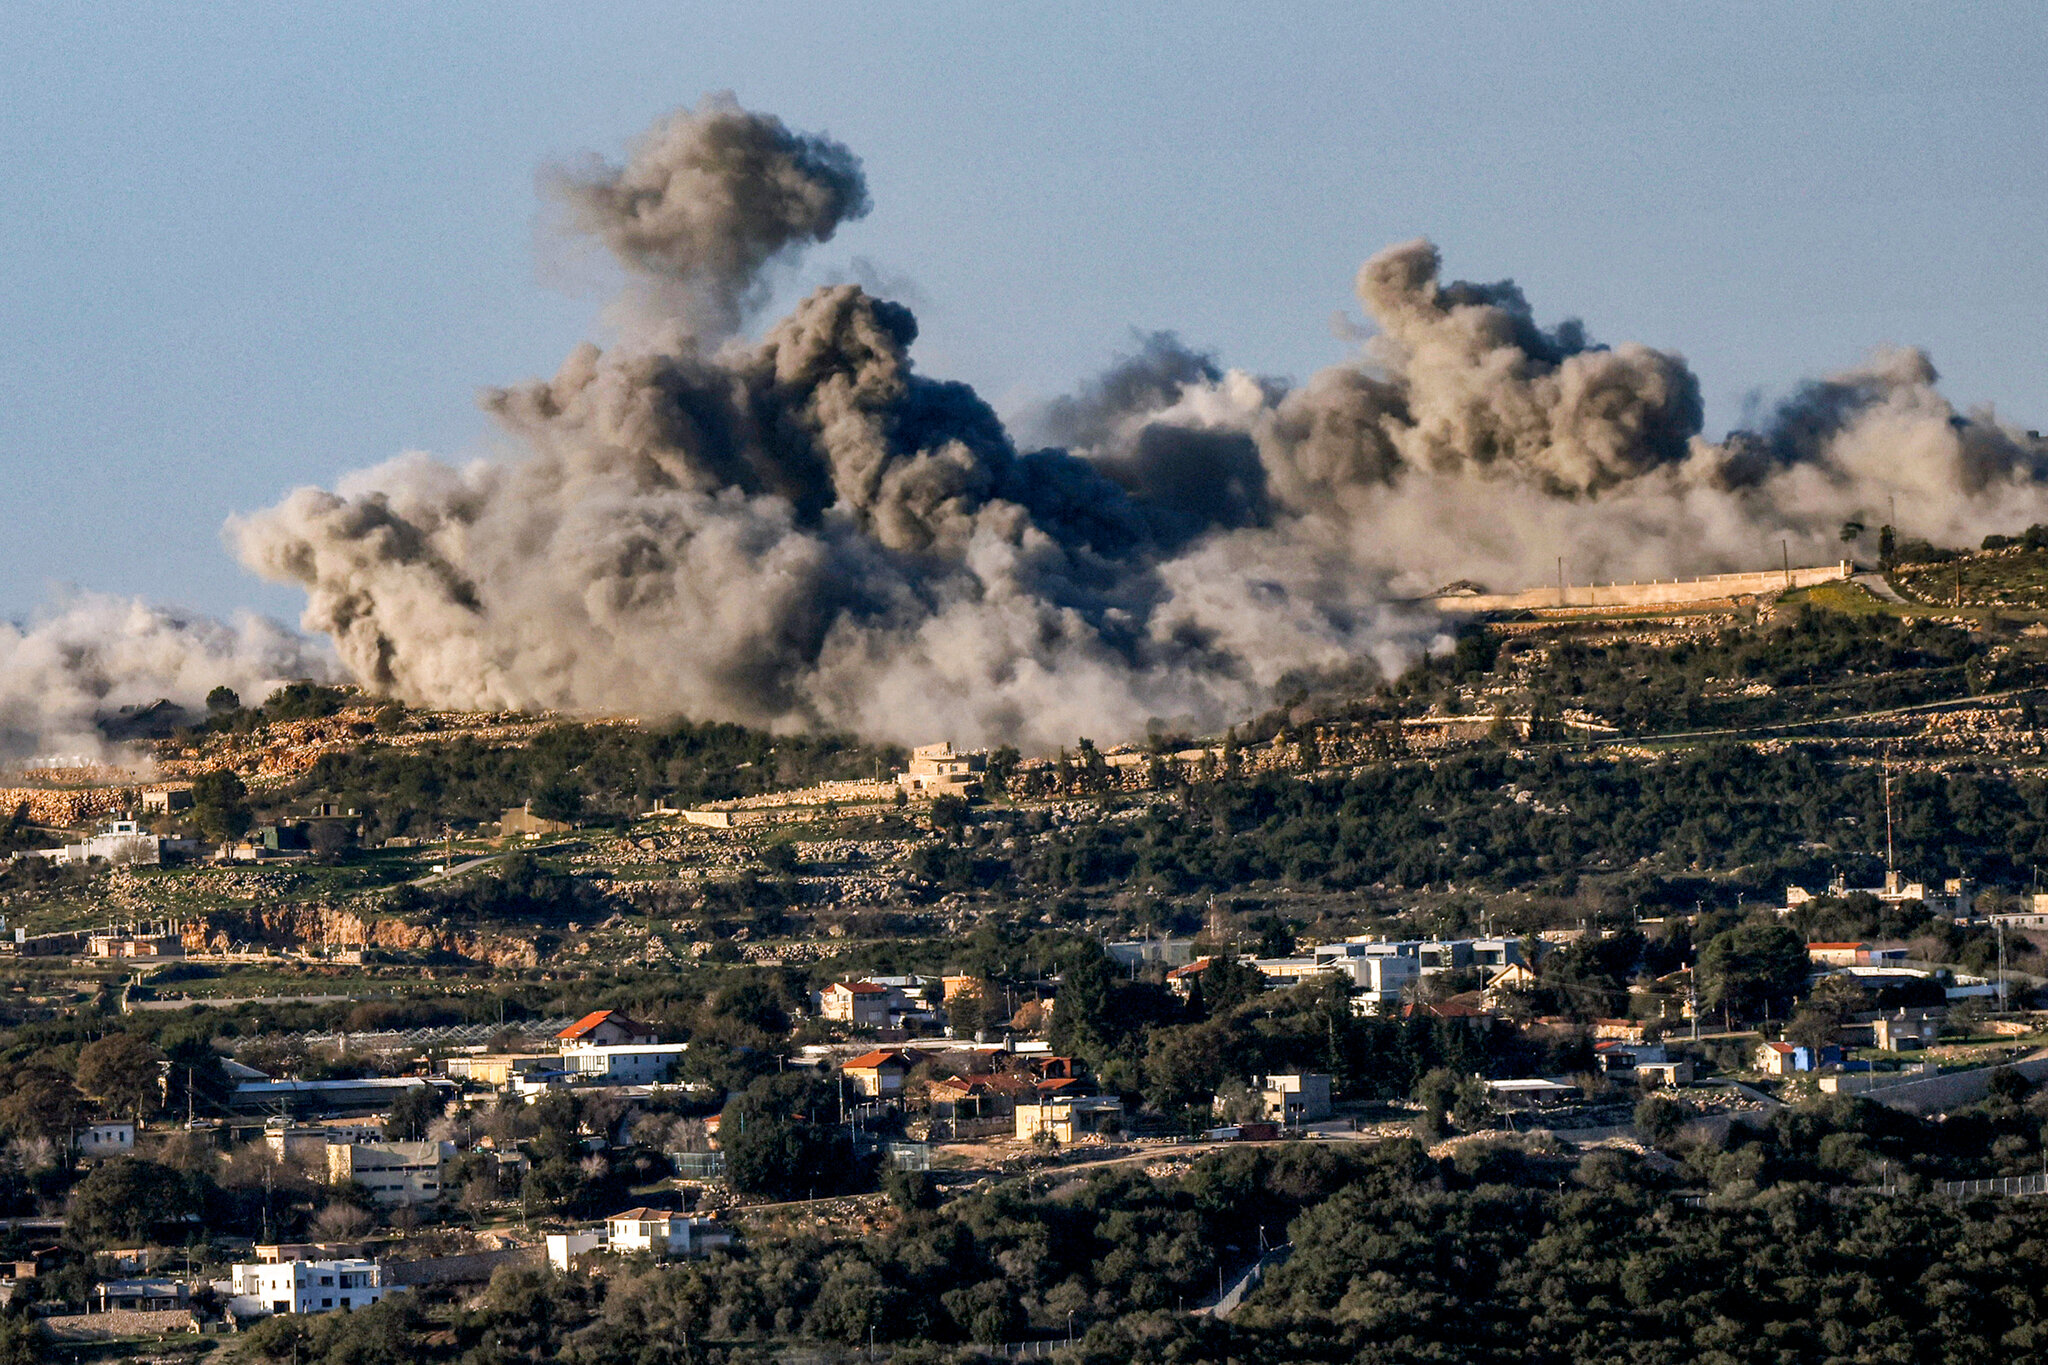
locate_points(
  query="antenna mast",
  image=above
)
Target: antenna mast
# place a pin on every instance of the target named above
(1890, 872)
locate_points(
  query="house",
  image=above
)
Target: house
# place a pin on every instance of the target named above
(1167, 952)
(880, 1075)
(935, 770)
(1783, 1059)
(1853, 955)
(1467, 1009)
(627, 1064)
(1517, 978)
(1669, 1073)
(134, 945)
(305, 1287)
(166, 800)
(1618, 1057)
(498, 1069)
(1532, 1093)
(521, 821)
(1181, 980)
(604, 1028)
(104, 1139)
(370, 1094)
(141, 1296)
(565, 1247)
(123, 843)
(1064, 1119)
(1296, 1098)
(1282, 972)
(393, 1172)
(665, 1234)
(857, 1004)
(1956, 899)
(1904, 1031)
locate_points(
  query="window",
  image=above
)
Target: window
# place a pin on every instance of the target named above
(327, 1303)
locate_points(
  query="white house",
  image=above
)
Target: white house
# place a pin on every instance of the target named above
(105, 1139)
(665, 1234)
(623, 1064)
(306, 1287)
(565, 1247)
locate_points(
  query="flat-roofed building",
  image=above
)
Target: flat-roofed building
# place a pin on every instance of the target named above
(393, 1172)
(306, 1286)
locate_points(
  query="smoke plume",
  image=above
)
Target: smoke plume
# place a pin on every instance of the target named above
(801, 529)
(76, 667)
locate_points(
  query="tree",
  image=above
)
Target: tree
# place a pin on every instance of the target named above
(1752, 968)
(220, 805)
(949, 814)
(1659, 1119)
(126, 1200)
(1229, 981)
(560, 800)
(223, 698)
(342, 1222)
(124, 1073)
(1081, 1016)
(413, 1113)
(967, 1011)
(23, 1340)
(42, 1103)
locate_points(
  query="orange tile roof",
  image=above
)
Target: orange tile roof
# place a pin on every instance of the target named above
(586, 1024)
(861, 987)
(869, 1060)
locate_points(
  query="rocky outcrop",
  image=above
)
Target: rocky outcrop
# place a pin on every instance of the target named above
(319, 924)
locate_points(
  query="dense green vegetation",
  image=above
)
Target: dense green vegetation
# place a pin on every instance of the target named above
(572, 769)
(1497, 820)
(1810, 1238)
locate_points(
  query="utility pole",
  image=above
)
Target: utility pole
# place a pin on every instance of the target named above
(1785, 552)
(1890, 869)
(1560, 581)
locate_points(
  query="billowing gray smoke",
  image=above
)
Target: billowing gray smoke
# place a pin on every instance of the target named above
(79, 665)
(803, 530)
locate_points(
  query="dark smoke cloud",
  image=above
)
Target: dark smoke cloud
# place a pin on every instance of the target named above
(708, 198)
(803, 530)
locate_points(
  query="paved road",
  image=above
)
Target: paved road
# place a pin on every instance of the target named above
(1875, 585)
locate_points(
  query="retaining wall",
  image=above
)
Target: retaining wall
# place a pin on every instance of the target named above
(1665, 593)
(1937, 1093)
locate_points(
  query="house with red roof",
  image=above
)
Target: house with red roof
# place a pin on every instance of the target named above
(879, 1075)
(604, 1028)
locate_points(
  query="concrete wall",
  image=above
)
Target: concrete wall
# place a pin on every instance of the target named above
(120, 1323)
(1938, 1093)
(1669, 592)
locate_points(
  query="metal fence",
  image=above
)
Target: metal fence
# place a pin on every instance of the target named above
(699, 1165)
(2002, 1184)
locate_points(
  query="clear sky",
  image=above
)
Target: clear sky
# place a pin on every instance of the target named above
(248, 247)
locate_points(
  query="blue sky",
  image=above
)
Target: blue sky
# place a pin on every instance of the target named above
(255, 247)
